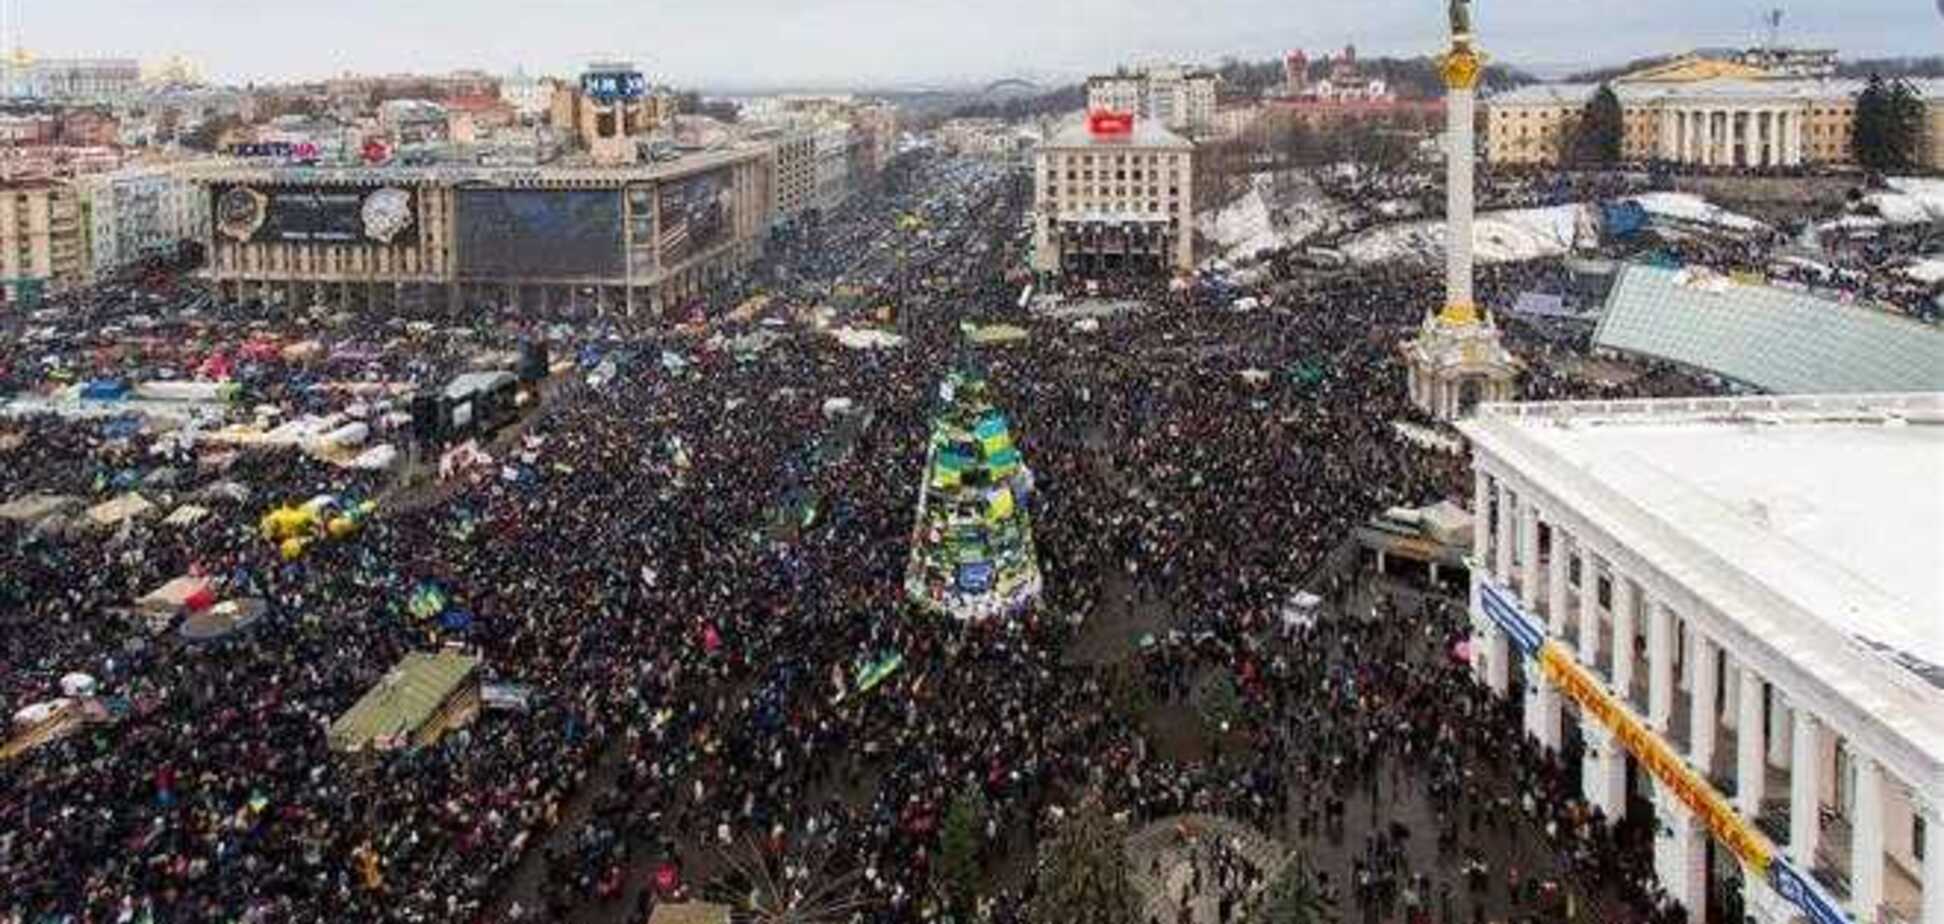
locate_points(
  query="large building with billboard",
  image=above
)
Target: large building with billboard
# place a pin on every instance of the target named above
(1114, 196)
(636, 240)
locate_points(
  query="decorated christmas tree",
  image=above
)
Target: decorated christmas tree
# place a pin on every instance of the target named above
(972, 546)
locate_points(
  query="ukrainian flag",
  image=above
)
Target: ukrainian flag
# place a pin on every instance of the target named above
(948, 471)
(993, 435)
(999, 505)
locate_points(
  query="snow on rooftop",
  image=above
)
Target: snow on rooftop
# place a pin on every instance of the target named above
(1814, 524)
(1842, 515)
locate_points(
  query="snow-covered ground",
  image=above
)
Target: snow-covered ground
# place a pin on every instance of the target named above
(1693, 209)
(1261, 220)
(1912, 200)
(1929, 271)
(1497, 237)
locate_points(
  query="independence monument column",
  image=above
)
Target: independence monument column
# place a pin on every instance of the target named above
(1461, 67)
(1457, 360)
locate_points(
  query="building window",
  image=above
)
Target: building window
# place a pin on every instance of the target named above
(1917, 833)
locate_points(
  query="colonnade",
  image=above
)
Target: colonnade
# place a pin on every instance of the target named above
(1657, 651)
(1723, 135)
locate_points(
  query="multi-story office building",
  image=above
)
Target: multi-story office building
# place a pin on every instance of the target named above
(1114, 195)
(40, 240)
(1718, 122)
(1181, 99)
(638, 239)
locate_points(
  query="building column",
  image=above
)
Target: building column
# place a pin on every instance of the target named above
(1589, 608)
(1529, 557)
(1793, 144)
(1805, 792)
(1481, 516)
(1660, 665)
(1866, 841)
(1668, 130)
(1772, 147)
(1750, 774)
(1557, 582)
(1542, 708)
(1603, 770)
(1502, 555)
(1701, 704)
(1498, 661)
(1681, 857)
(1779, 730)
(1623, 636)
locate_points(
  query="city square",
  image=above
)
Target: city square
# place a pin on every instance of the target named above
(1377, 488)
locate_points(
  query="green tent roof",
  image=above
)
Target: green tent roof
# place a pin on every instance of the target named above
(405, 699)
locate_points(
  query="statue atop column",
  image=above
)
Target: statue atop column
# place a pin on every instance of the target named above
(1461, 19)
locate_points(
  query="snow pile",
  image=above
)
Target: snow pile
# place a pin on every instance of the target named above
(1261, 221)
(1243, 228)
(1929, 271)
(1497, 237)
(1911, 201)
(1693, 209)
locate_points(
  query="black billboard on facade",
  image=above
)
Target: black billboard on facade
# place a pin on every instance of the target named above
(696, 213)
(540, 233)
(315, 214)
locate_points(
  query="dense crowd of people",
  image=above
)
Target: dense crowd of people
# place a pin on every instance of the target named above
(693, 667)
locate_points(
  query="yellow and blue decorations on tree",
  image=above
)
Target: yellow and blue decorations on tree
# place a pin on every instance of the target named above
(972, 551)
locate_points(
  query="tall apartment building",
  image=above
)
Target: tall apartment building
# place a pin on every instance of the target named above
(794, 175)
(1182, 99)
(833, 167)
(40, 240)
(137, 213)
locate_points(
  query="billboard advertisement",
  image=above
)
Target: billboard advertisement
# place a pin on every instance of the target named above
(695, 213)
(540, 233)
(610, 86)
(315, 214)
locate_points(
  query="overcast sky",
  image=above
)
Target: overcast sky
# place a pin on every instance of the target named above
(745, 43)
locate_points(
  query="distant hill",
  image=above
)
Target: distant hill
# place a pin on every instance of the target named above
(1932, 66)
(1410, 78)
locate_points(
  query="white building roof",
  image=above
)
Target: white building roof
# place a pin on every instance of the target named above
(1815, 524)
(1148, 133)
(1723, 89)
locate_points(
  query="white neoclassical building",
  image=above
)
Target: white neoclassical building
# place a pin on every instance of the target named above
(1731, 613)
(1716, 122)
